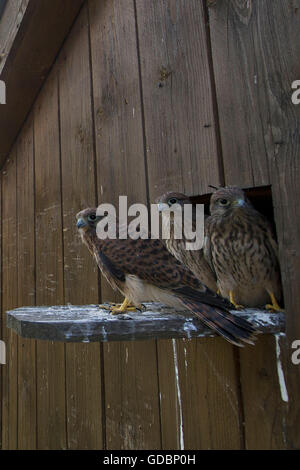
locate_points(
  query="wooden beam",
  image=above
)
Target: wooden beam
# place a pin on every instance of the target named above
(89, 323)
(10, 21)
(37, 31)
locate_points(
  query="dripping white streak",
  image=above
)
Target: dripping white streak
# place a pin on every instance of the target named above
(178, 394)
(283, 389)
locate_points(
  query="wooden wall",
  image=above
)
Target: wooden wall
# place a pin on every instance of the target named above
(148, 96)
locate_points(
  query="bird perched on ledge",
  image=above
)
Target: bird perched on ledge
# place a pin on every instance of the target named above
(143, 270)
(241, 249)
(194, 260)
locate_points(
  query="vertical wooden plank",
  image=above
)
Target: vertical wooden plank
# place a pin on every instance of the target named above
(281, 34)
(26, 286)
(177, 92)
(200, 401)
(51, 411)
(183, 154)
(262, 397)
(169, 397)
(9, 301)
(131, 386)
(261, 42)
(118, 119)
(83, 366)
(207, 376)
(131, 392)
(241, 91)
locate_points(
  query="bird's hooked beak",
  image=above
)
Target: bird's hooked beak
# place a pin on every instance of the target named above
(81, 223)
(162, 206)
(239, 203)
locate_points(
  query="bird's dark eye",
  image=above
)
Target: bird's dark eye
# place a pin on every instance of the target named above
(92, 217)
(224, 202)
(172, 201)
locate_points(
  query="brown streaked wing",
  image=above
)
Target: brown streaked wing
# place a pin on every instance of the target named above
(150, 261)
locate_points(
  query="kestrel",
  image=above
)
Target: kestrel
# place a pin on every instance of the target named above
(144, 270)
(193, 259)
(241, 248)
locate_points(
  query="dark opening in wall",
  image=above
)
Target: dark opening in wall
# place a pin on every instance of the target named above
(260, 197)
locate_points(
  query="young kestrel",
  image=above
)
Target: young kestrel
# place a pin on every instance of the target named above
(241, 248)
(143, 270)
(193, 259)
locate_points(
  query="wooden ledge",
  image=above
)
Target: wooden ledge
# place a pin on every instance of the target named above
(87, 323)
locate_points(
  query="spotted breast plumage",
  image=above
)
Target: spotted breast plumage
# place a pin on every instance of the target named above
(241, 249)
(143, 270)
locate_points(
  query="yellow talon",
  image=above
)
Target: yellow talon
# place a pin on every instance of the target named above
(115, 309)
(274, 306)
(109, 306)
(231, 298)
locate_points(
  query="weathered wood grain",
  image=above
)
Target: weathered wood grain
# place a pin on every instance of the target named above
(132, 414)
(83, 365)
(198, 394)
(255, 54)
(262, 395)
(26, 286)
(241, 90)
(117, 104)
(180, 124)
(9, 299)
(87, 323)
(209, 378)
(51, 399)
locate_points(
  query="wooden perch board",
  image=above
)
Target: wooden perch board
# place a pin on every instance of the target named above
(87, 323)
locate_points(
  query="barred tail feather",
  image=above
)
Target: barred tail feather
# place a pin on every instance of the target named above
(236, 330)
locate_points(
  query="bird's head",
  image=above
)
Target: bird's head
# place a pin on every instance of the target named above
(87, 219)
(227, 199)
(170, 199)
